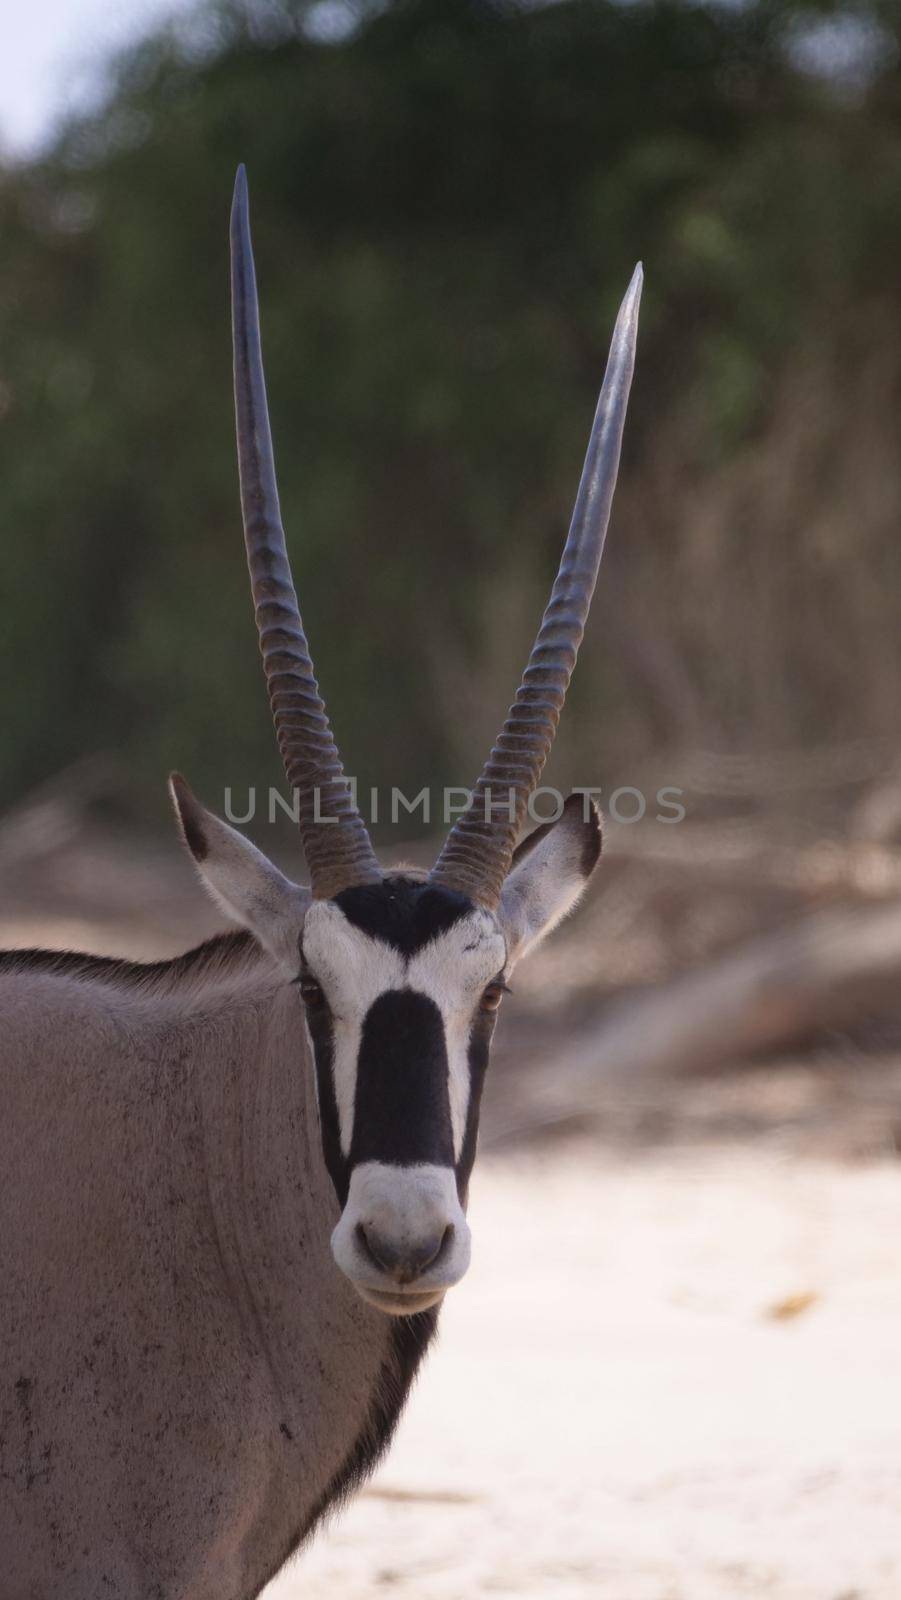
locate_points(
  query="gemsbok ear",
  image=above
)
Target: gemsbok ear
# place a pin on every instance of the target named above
(548, 875)
(240, 879)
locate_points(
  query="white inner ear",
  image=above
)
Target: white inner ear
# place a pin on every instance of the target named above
(253, 893)
(546, 885)
(248, 888)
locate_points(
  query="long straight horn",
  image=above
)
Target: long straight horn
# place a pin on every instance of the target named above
(335, 840)
(477, 853)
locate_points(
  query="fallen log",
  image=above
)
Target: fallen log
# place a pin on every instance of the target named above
(740, 855)
(832, 970)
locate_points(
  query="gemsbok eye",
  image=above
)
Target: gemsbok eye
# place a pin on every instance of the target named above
(493, 996)
(311, 994)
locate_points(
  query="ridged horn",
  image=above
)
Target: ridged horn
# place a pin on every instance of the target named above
(477, 853)
(337, 847)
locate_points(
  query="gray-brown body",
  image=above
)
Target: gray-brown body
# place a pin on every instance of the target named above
(187, 1378)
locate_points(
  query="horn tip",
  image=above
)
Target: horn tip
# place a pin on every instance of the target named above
(239, 198)
(633, 293)
(626, 330)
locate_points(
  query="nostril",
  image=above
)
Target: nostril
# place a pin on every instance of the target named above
(447, 1239)
(407, 1263)
(370, 1244)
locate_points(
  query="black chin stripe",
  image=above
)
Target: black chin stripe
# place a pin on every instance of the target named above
(402, 1109)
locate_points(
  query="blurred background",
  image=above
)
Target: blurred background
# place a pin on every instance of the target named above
(676, 1373)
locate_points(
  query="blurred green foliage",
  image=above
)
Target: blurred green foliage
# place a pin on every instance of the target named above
(448, 198)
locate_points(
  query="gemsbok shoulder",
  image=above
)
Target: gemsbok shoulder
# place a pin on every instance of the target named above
(233, 1186)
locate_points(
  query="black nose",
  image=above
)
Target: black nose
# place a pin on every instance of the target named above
(403, 1263)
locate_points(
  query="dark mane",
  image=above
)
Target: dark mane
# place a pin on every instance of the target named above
(214, 958)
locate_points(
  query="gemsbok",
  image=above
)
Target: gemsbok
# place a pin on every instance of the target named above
(233, 1186)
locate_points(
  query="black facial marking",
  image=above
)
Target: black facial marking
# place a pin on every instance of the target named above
(319, 1022)
(402, 1107)
(403, 913)
(402, 1111)
(479, 1049)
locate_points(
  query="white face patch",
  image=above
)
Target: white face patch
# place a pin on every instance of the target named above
(354, 969)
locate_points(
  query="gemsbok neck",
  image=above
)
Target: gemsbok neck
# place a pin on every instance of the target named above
(204, 1151)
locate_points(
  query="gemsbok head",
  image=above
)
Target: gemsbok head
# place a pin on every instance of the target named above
(401, 975)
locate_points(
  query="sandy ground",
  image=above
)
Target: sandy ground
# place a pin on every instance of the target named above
(675, 1376)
